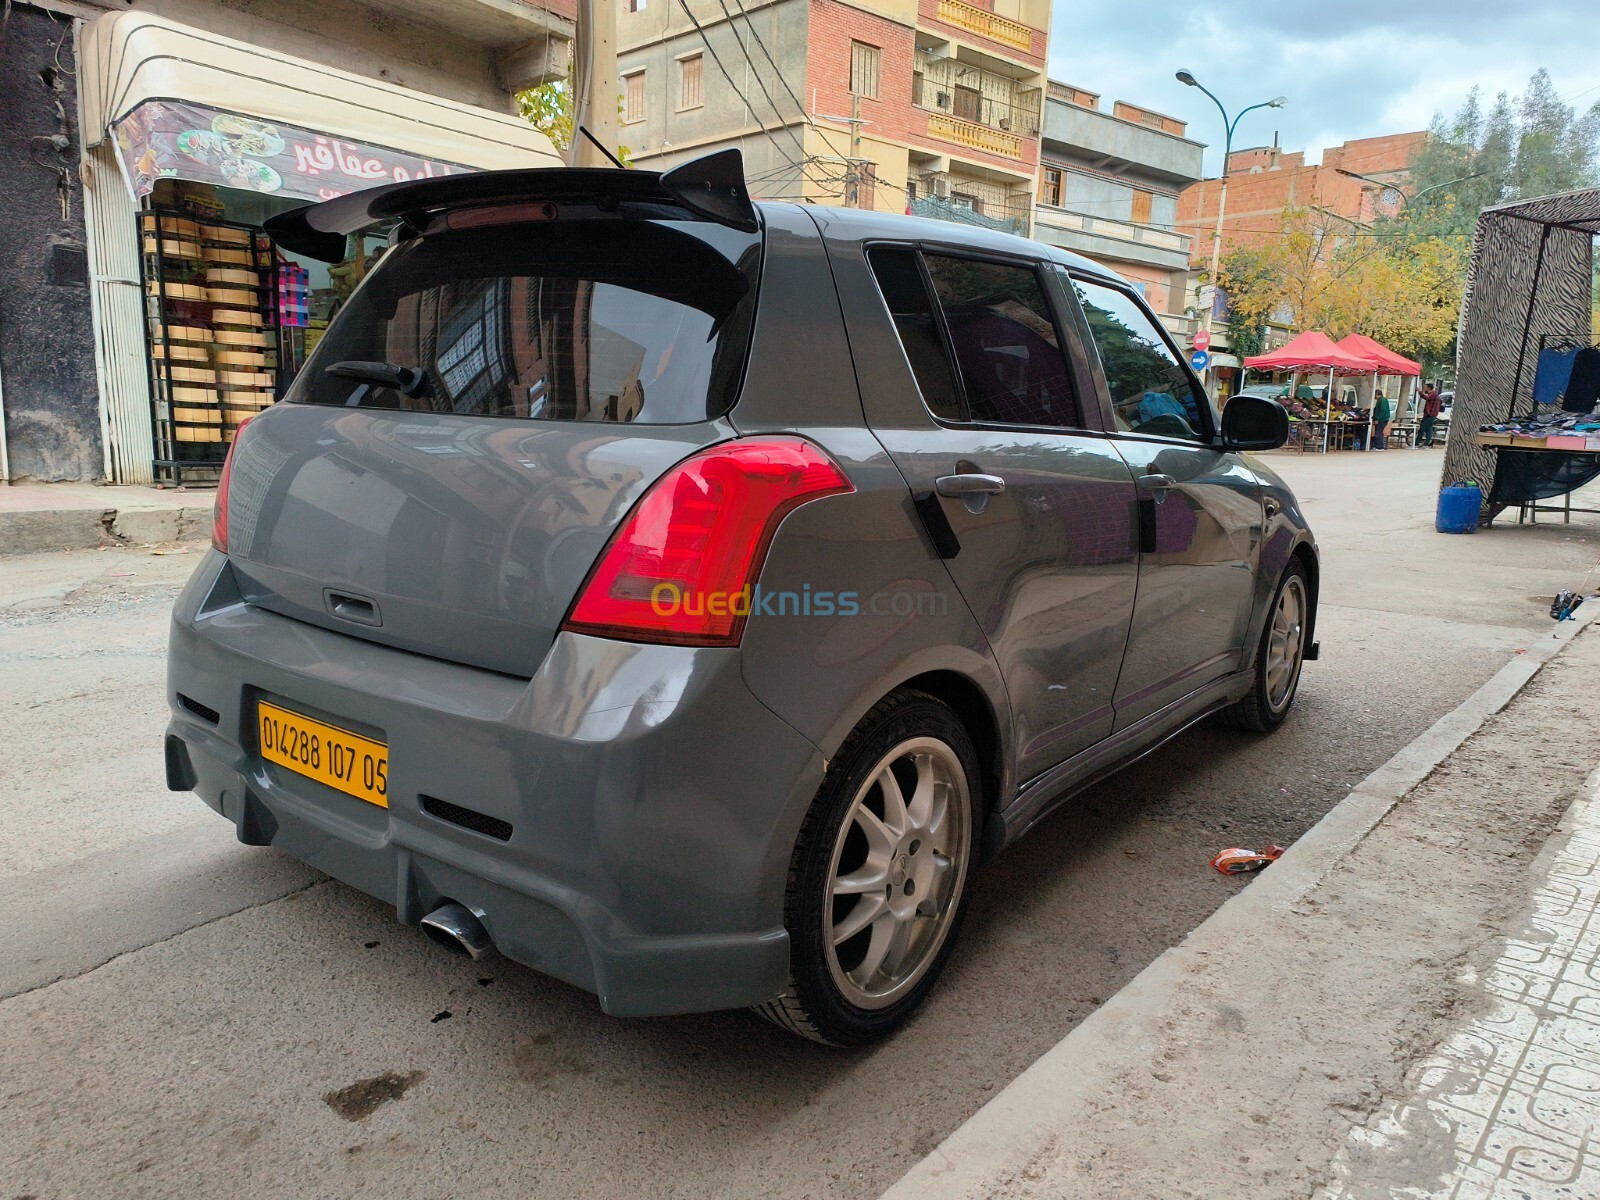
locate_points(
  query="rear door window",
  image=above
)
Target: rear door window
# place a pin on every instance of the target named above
(899, 276)
(984, 344)
(1151, 391)
(605, 321)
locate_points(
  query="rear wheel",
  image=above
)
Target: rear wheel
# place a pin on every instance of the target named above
(1278, 659)
(879, 879)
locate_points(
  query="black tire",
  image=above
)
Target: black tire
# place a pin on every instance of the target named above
(1268, 703)
(816, 1005)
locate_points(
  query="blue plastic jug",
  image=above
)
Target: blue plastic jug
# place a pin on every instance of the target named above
(1458, 508)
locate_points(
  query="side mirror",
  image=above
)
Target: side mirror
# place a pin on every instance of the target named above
(1254, 423)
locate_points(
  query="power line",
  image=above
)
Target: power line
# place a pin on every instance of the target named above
(716, 58)
(776, 70)
(756, 74)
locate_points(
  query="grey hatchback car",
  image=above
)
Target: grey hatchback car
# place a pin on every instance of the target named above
(685, 596)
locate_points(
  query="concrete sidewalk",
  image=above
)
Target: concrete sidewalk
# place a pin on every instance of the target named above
(37, 517)
(1406, 1004)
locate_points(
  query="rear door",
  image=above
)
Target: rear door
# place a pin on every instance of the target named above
(477, 420)
(1200, 509)
(968, 383)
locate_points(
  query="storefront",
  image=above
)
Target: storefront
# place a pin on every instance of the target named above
(192, 141)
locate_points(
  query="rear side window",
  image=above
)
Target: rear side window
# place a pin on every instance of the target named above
(607, 321)
(900, 279)
(983, 345)
(1151, 393)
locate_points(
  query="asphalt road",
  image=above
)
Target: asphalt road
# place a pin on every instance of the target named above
(184, 1015)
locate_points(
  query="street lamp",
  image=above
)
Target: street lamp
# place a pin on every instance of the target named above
(1408, 201)
(1228, 125)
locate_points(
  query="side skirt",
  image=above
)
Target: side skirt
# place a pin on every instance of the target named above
(1044, 793)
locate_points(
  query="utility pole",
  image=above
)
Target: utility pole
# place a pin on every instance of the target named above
(594, 82)
(854, 162)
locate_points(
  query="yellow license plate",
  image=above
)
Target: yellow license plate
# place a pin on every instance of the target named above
(347, 761)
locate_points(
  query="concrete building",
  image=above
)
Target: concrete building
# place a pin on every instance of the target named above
(1356, 182)
(928, 105)
(1109, 186)
(129, 123)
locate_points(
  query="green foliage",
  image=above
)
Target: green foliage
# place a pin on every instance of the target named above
(1530, 146)
(548, 108)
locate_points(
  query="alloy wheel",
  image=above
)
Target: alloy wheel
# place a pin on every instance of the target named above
(898, 868)
(1286, 644)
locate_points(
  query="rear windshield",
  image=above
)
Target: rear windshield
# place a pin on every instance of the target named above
(619, 320)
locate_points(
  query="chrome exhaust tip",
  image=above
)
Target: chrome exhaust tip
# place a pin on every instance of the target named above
(459, 928)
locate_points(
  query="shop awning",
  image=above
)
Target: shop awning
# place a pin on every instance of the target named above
(186, 103)
(1312, 351)
(1391, 362)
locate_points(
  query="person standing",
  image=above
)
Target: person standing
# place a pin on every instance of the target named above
(1432, 402)
(1381, 412)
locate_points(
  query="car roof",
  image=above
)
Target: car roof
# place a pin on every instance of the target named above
(864, 225)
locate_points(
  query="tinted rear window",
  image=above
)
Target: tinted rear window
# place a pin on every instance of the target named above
(644, 321)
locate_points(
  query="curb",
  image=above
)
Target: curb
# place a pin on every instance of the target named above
(1009, 1133)
(34, 531)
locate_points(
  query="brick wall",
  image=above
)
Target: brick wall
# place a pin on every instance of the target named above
(892, 115)
(1257, 198)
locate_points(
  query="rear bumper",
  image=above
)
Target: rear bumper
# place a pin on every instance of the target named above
(653, 802)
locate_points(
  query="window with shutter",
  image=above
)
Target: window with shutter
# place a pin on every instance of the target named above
(865, 62)
(1141, 207)
(691, 88)
(633, 97)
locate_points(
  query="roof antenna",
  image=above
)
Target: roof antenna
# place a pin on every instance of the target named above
(584, 129)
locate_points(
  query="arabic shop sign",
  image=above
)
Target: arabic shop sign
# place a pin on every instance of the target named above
(168, 139)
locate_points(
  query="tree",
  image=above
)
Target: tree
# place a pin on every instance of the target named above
(1531, 146)
(548, 108)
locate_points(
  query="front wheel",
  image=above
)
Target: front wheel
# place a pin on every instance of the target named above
(1278, 659)
(879, 879)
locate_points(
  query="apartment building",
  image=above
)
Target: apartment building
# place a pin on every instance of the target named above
(927, 106)
(1108, 188)
(1356, 182)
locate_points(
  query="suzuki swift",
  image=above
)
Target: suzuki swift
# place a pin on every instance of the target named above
(684, 596)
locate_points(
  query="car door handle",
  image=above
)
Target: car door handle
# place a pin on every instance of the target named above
(969, 485)
(1157, 483)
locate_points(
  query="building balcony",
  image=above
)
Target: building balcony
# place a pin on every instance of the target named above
(986, 24)
(1118, 143)
(974, 136)
(971, 200)
(1101, 237)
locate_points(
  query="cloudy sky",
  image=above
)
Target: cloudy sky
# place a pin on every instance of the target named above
(1356, 69)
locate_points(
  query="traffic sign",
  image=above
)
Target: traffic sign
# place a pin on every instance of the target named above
(1202, 340)
(1200, 360)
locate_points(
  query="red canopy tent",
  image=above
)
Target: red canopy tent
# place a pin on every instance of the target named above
(1317, 352)
(1393, 364)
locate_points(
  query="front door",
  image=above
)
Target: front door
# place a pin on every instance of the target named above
(1033, 511)
(1200, 511)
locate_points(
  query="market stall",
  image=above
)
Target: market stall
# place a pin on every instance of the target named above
(1317, 353)
(1527, 369)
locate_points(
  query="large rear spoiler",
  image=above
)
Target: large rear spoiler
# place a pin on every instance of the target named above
(710, 188)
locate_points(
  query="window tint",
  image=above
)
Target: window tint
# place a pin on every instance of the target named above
(564, 320)
(1150, 391)
(900, 279)
(1004, 339)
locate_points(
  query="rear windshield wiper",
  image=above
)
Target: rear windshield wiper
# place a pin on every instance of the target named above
(408, 381)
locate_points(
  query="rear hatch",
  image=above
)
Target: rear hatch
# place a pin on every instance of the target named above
(478, 419)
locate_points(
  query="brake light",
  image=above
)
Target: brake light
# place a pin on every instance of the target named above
(682, 566)
(219, 519)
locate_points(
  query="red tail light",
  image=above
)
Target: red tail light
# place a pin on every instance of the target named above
(219, 520)
(681, 567)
